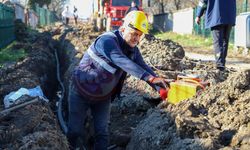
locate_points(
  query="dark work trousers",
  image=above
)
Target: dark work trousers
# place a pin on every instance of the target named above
(100, 111)
(67, 20)
(75, 17)
(221, 34)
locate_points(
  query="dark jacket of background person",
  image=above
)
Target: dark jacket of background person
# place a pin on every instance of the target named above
(220, 17)
(133, 7)
(217, 12)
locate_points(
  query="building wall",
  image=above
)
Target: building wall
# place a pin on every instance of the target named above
(183, 21)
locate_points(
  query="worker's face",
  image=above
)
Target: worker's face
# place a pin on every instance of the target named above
(133, 4)
(132, 36)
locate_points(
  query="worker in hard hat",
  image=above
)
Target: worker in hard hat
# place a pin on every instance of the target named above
(100, 75)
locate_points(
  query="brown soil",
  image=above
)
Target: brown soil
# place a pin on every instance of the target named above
(33, 126)
(217, 118)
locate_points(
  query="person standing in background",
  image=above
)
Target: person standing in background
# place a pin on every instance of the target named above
(66, 15)
(220, 17)
(26, 16)
(75, 14)
(133, 7)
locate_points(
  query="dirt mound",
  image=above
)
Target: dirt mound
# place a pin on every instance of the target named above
(81, 37)
(218, 118)
(159, 128)
(167, 59)
(31, 127)
(34, 126)
(162, 54)
(32, 70)
(128, 111)
(39, 68)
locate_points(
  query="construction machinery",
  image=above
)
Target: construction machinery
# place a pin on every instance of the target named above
(108, 14)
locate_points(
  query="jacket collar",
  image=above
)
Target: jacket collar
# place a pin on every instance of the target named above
(122, 42)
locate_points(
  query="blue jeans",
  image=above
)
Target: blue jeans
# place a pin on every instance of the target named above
(221, 34)
(100, 110)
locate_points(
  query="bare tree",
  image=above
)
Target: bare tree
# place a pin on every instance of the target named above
(57, 6)
(180, 4)
(41, 3)
(161, 6)
(177, 4)
(193, 3)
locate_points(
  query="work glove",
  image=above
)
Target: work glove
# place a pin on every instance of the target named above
(158, 81)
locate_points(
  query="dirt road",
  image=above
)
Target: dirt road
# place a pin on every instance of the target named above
(236, 63)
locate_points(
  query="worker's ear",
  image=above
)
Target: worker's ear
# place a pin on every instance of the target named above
(122, 28)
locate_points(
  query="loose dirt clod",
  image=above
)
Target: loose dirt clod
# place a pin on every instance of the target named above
(217, 118)
(33, 126)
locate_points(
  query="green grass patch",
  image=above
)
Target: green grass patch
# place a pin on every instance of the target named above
(187, 40)
(190, 41)
(9, 54)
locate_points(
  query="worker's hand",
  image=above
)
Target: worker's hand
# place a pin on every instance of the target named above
(198, 20)
(158, 81)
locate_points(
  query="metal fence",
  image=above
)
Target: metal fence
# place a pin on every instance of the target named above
(162, 22)
(45, 16)
(7, 33)
(242, 6)
(9, 14)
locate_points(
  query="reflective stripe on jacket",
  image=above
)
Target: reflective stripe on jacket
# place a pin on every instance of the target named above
(102, 66)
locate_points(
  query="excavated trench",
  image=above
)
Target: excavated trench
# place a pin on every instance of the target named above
(217, 118)
(32, 123)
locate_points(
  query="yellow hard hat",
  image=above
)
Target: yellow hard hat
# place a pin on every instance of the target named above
(137, 20)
